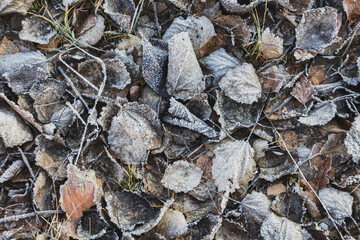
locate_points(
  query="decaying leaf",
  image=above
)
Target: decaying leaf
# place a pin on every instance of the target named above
(289, 205)
(241, 84)
(352, 9)
(200, 107)
(220, 62)
(7, 47)
(120, 12)
(200, 30)
(153, 63)
(133, 131)
(290, 138)
(233, 165)
(255, 207)
(185, 78)
(271, 45)
(275, 227)
(81, 191)
(350, 70)
(43, 192)
(15, 6)
(206, 228)
(234, 115)
(274, 78)
(234, 7)
(36, 29)
(316, 31)
(172, 225)
(303, 90)
(352, 140)
(181, 176)
(181, 116)
(338, 203)
(322, 113)
(13, 170)
(294, 5)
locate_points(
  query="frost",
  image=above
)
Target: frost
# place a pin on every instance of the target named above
(36, 29)
(278, 228)
(133, 131)
(337, 202)
(233, 165)
(220, 62)
(256, 206)
(234, 7)
(173, 224)
(42, 192)
(181, 176)
(185, 78)
(182, 117)
(321, 114)
(12, 171)
(93, 35)
(13, 130)
(153, 63)
(316, 31)
(15, 6)
(271, 45)
(119, 10)
(200, 30)
(350, 70)
(241, 84)
(352, 140)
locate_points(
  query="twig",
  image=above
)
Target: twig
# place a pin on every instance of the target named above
(75, 112)
(27, 163)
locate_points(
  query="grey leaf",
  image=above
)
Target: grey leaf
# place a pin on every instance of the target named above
(322, 114)
(338, 203)
(352, 140)
(256, 206)
(219, 62)
(280, 228)
(12, 171)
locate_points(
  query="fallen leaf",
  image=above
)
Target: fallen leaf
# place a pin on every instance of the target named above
(352, 9)
(352, 140)
(290, 138)
(271, 45)
(321, 179)
(255, 207)
(303, 90)
(81, 191)
(7, 47)
(219, 62)
(172, 225)
(322, 113)
(270, 228)
(36, 29)
(13, 170)
(338, 203)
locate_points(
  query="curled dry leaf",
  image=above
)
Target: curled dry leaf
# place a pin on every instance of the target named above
(12, 171)
(185, 78)
(241, 84)
(81, 191)
(43, 192)
(181, 176)
(352, 140)
(316, 31)
(182, 117)
(233, 165)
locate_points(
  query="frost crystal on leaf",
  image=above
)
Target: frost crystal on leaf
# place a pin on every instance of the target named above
(241, 84)
(233, 165)
(219, 62)
(271, 45)
(278, 228)
(36, 29)
(352, 140)
(322, 114)
(133, 131)
(256, 206)
(182, 176)
(182, 117)
(185, 78)
(173, 224)
(200, 30)
(338, 203)
(154, 59)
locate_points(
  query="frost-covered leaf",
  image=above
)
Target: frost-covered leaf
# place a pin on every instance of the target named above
(200, 30)
(52, 155)
(182, 117)
(13, 130)
(294, 5)
(12, 171)
(234, 7)
(233, 165)
(43, 192)
(255, 207)
(205, 228)
(233, 114)
(65, 117)
(81, 191)
(91, 226)
(322, 113)
(200, 107)
(271, 45)
(181, 176)
(185, 78)
(15, 6)
(219, 62)
(172, 225)
(352, 140)
(153, 63)
(316, 31)
(133, 131)
(278, 228)
(274, 77)
(36, 29)
(337, 202)
(93, 34)
(303, 90)
(241, 84)
(120, 12)
(350, 70)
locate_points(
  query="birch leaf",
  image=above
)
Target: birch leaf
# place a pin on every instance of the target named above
(185, 78)
(256, 206)
(322, 114)
(219, 62)
(233, 165)
(352, 140)
(338, 203)
(241, 84)
(182, 117)
(278, 228)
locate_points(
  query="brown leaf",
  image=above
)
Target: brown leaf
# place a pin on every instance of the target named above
(352, 9)
(213, 44)
(7, 47)
(290, 138)
(303, 90)
(204, 162)
(318, 74)
(321, 179)
(79, 193)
